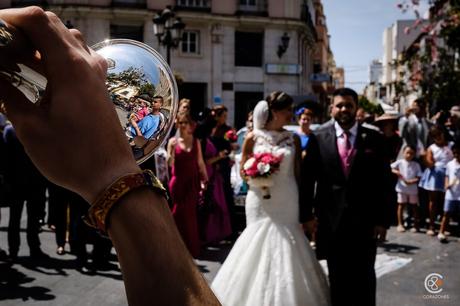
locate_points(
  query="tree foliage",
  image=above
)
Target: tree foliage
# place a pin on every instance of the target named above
(433, 62)
(369, 107)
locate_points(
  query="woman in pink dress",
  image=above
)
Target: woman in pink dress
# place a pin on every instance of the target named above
(188, 171)
(216, 224)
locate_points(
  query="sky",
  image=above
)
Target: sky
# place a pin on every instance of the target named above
(356, 30)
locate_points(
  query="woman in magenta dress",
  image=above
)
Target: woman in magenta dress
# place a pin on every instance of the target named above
(188, 175)
(216, 225)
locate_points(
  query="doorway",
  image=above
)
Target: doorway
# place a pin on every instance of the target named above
(244, 103)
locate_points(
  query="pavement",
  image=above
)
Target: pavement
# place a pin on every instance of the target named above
(55, 281)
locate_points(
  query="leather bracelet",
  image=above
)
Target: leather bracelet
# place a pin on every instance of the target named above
(98, 213)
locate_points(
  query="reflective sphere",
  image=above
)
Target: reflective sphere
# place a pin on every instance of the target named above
(143, 89)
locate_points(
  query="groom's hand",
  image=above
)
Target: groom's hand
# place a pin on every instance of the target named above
(310, 227)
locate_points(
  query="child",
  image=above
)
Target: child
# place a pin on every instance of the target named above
(409, 173)
(452, 201)
(437, 157)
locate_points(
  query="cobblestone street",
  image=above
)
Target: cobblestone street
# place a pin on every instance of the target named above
(56, 282)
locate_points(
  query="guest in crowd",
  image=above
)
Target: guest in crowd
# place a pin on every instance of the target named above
(150, 123)
(414, 128)
(392, 142)
(225, 164)
(408, 172)
(304, 119)
(216, 223)
(28, 185)
(188, 177)
(452, 185)
(437, 156)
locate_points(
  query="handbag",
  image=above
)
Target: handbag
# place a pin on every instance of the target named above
(206, 201)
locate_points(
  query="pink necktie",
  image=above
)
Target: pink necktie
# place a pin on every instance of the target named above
(345, 151)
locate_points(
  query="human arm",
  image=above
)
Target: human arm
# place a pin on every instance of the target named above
(297, 159)
(135, 126)
(201, 165)
(447, 184)
(155, 266)
(246, 152)
(429, 160)
(170, 151)
(212, 160)
(415, 180)
(398, 174)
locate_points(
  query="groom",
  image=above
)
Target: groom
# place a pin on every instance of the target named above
(345, 163)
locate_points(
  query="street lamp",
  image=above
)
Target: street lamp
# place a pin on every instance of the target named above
(168, 30)
(284, 44)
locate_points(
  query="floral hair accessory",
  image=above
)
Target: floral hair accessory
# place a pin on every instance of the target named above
(300, 111)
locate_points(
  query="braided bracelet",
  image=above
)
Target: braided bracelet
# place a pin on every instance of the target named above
(98, 213)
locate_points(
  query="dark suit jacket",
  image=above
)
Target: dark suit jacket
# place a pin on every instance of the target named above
(358, 201)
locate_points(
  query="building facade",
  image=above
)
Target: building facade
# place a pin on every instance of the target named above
(396, 40)
(229, 51)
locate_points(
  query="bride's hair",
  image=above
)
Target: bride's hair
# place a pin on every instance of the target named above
(278, 100)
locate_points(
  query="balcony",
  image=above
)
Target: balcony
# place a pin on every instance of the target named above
(306, 17)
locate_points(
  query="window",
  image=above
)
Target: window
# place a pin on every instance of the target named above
(125, 31)
(254, 6)
(193, 3)
(317, 68)
(191, 42)
(248, 49)
(20, 3)
(248, 2)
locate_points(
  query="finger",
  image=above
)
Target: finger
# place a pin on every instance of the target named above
(46, 32)
(80, 39)
(16, 49)
(101, 64)
(35, 25)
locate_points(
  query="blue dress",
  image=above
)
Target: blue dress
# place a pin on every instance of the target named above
(433, 178)
(303, 140)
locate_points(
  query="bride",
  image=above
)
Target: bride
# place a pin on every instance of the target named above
(272, 263)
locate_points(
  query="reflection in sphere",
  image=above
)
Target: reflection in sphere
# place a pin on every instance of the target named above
(144, 92)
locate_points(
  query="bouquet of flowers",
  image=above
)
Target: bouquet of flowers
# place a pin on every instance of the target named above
(231, 136)
(260, 168)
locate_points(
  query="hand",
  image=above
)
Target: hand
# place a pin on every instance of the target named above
(74, 136)
(223, 154)
(235, 146)
(310, 227)
(380, 233)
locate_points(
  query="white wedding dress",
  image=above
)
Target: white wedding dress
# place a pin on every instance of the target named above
(272, 263)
